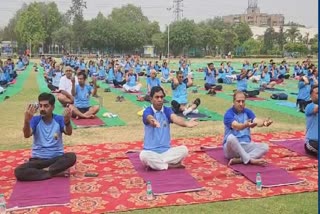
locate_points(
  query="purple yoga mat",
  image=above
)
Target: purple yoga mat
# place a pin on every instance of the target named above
(166, 181)
(295, 145)
(51, 192)
(271, 175)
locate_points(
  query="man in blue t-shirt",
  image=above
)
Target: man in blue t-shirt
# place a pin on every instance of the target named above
(81, 93)
(311, 112)
(242, 83)
(179, 101)
(237, 144)
(157, 151)
(48, 158)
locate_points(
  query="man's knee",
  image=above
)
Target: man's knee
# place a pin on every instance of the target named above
(19, 172)
(72, 158)
(183, 151)
(264, 147)
(175, 106)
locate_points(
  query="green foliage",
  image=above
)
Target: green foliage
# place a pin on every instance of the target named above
(30, 25)
(182, 35)
(230, 40)
(296, 47)
(158, 40)
(243, 32)
(252, 46)
(293, 33)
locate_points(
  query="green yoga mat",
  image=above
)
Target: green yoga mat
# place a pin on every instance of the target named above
(266, 104)
(109, 122)
(213, 116)
(17, 87)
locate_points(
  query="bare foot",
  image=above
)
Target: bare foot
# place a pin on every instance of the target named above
(260, 162)
(177, 165)
(234, 161)
(77, 118)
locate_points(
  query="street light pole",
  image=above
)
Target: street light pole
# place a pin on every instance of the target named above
(169, 41)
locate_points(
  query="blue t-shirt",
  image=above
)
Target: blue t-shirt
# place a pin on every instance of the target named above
(132, 80)
(47, 138)
(210, 78)
(311, 122)
(242, 84)
(102, 71)
(232, 115)
(266, 79)
(81, 100)
(180, 94)
(118, 76)
(165, 72)
(56, 78)
(111, 76)
(153, 82)
(157, 139)
(304, 91)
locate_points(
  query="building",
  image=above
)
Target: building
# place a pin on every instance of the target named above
(254, 17)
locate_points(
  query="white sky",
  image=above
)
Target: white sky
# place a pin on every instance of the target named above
(304, 12)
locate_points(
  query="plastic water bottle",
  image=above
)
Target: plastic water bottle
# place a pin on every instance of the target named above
(149, 191)
(2, 204)
(258, 182)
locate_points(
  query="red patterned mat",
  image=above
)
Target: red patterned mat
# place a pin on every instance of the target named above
(119, 188)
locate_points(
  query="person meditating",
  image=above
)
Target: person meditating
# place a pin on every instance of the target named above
(237, 144)
(81, 92)
(48, 158)
(179, 101)
(311, 143)
(157, 152)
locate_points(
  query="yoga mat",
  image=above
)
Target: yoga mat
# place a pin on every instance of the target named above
(87, 123)
(131, 92)
(274, 89)
(288, 104)
(194, 115)
(295, 145)
(272, 176)
(51, 192)
(109, 122)
(15, 88)
(166, 181)
(255, 98)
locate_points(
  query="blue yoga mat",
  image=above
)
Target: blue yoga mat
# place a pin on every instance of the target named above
(286, 103)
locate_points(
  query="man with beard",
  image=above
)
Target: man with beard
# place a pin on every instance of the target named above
(81, 93)
(237, 144)
(48, 158)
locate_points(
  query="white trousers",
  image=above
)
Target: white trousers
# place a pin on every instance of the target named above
(132, 88)
(161, 161)
(246, 151)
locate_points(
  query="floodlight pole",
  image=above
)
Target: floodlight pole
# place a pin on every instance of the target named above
(169, 9)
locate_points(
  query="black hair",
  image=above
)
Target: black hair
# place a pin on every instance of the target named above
(47, 97)
(156, 89)
(83, 74)
(210, 63)
(312, 88)
(179, 72)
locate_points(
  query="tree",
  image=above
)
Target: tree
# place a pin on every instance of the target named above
(182, 35)
(252, 46)
(243, 32)
(63, 36)
(293, 33)
(75, 13)
(30, 26)
(314, 44)
(230, 40)
(281, 38)
(296, 47)
(269, 39)
(158, 41)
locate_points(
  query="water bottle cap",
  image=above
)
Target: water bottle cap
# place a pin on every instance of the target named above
(148, 182)
(1, 195)
(258, 173)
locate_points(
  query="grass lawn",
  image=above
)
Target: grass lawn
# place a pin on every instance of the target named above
(12, 111)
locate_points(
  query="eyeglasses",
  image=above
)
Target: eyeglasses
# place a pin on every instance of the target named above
(157, 97)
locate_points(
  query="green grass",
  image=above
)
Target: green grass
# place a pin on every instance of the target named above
(13, 109)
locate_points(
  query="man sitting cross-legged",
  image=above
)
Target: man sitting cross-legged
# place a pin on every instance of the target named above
(179, 101)
(237, 144)
(132, 84)
(81, 93)
(48, 158)
(65, 88)
(157, 151)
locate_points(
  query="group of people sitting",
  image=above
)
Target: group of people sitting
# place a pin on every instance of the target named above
(48, 158)
(9, 70)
